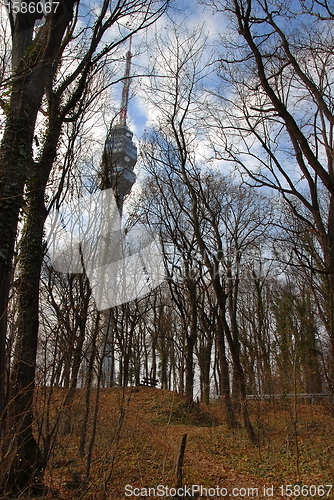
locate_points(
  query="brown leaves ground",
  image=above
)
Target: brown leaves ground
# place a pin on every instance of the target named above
(143, 454)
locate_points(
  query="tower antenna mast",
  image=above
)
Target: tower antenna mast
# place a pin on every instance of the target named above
(120, 151)
(126, 86)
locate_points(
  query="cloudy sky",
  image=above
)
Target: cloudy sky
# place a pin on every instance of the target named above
(188, 15)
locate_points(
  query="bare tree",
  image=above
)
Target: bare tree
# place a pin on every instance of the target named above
(277, 122)
(67, 82)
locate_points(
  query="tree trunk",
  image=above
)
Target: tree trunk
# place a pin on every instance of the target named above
(206, 374)
(191, 339)
(241, 384)
(25, 449)
(23, 371)
(225, 380)
(16, 145)
(329, 260)
(89, 380)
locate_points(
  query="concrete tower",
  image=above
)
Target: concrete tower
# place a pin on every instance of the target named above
(120, 153)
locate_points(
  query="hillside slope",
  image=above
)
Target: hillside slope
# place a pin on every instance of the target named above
(138, 436)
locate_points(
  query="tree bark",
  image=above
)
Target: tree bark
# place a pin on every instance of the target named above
(29, 80)
(225, 379)
(191, 341)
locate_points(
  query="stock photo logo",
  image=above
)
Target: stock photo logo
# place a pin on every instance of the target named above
(87, 236)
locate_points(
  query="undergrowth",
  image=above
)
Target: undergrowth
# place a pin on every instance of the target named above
(144, 451)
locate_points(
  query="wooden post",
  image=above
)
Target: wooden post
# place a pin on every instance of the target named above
(179, 464)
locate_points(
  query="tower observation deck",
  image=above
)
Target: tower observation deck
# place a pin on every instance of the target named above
(120, 157)
(120, 153)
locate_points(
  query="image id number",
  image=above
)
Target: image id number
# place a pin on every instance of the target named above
(32, 7)
(322, 490)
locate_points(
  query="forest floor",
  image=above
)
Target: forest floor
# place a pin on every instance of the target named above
(138, 436)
